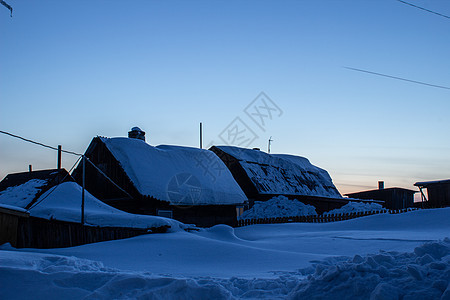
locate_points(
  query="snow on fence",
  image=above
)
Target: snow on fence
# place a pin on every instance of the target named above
(319, 219)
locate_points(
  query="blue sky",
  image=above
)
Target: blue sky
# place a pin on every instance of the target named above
(72, 70)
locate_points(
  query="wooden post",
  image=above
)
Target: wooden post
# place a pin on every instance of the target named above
(201, 136)
(82, 189)
(59, 156)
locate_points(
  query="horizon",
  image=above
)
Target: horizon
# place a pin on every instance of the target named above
(67, 152)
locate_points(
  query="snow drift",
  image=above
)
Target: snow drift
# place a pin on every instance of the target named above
(277, 207)
(422, 274)
(352, 207)
(63, 203)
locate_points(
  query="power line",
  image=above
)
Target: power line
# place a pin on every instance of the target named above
(7, 6)
(101, 172)
(40, 144)
(80, 156)
(422, 8)
(399, 78)
(69, 152)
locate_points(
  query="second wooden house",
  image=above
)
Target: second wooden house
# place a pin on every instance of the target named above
(263, 176)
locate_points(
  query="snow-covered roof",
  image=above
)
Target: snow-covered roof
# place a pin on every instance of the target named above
(179, 175)
(63, 203)
(283, 174)
(23, 194)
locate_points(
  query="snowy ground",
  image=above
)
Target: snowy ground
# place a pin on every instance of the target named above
(377, 257)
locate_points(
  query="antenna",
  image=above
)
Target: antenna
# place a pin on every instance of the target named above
(270, 141)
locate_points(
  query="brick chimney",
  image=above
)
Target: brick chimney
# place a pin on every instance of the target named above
(136, 133)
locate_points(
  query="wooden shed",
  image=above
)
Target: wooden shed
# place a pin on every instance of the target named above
(393, 198)
(438, 193)
(188, 184)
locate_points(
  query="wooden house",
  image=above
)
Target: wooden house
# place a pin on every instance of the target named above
(263, 176)
(188, 184)
(438, 193)
(393, 198)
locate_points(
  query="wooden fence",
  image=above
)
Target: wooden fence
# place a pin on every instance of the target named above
(24, 231)
(318, 219)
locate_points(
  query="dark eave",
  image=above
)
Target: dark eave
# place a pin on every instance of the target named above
(424, 184)
(379, 190)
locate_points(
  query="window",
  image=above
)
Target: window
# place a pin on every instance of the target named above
(165, 213)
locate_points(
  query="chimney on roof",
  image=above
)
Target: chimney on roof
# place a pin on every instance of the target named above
(136, 133)
(380, 185)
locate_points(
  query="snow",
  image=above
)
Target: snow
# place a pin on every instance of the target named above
(401, 256)
(63, 202)
(179, 175)
(279, 206)
(283, 174)
(422, 274)
(136, 129)
(13, 207)
(22, 195)
(352, 207)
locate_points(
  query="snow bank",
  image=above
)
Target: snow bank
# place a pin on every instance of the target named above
(179, 175)
(352, 207)
(22, 195)
(63, 203)
(283, 174)
(423, 274)
(58, 277)
(279, 206)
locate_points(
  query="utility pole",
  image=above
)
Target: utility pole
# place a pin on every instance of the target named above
(270, 141)
(59, 157)
(82, 188)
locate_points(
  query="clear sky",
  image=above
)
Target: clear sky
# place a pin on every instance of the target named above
(72, 70)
